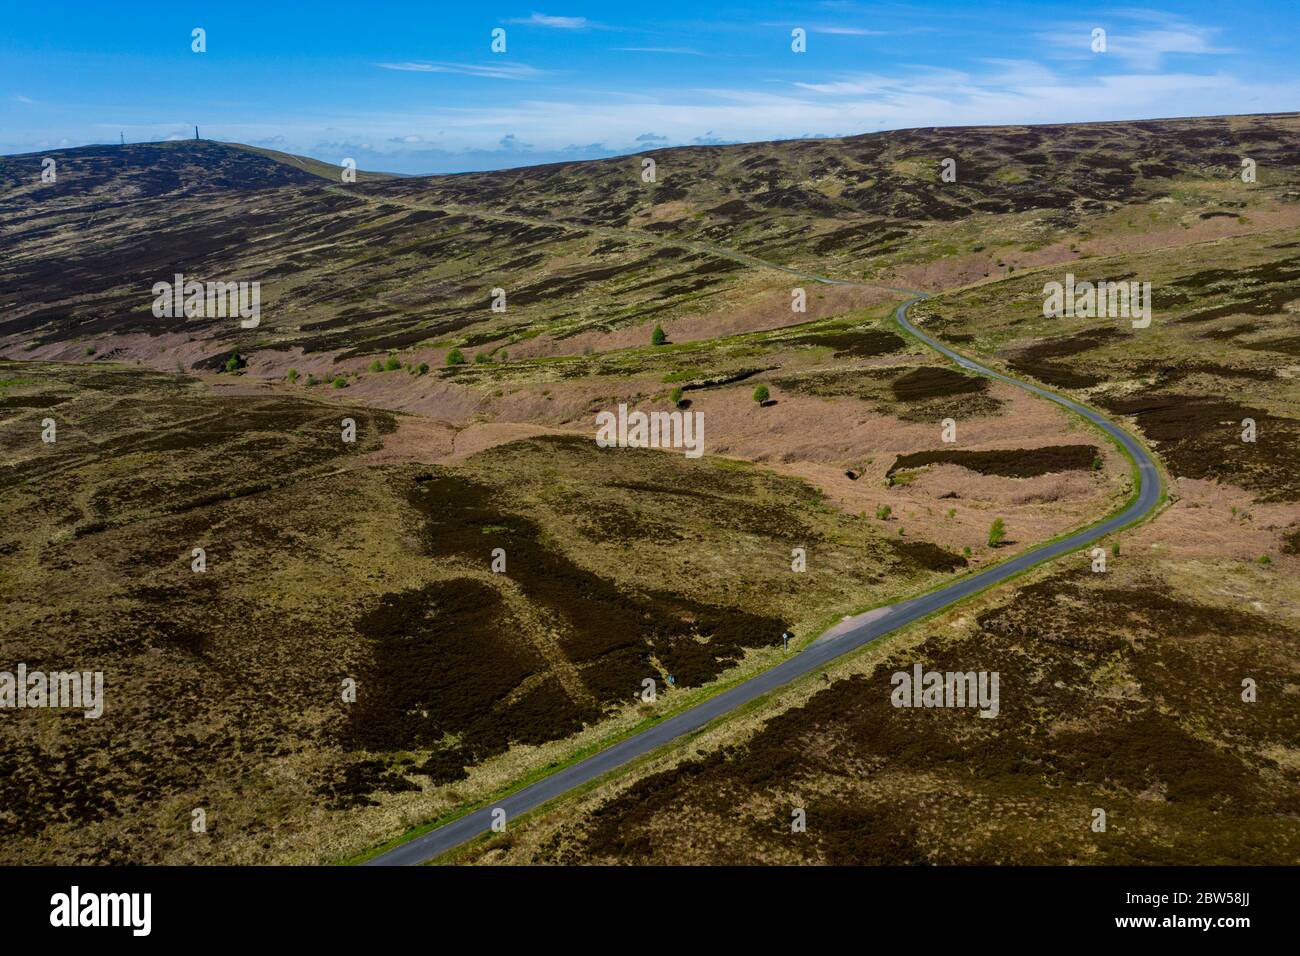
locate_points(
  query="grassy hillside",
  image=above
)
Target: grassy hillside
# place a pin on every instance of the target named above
(372, 560)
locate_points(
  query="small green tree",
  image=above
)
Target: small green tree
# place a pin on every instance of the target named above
(675, 396)
(293, 375)
(235, 362)
(393, 364)
(883, 512)
(455, 357)
(1114, 549)
(376, 366)
(997, 533)
(482, 358)
(761, 394)
(658, 336)
(422, 369)
(340, 381)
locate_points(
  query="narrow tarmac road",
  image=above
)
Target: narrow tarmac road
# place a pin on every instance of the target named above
(847, 637)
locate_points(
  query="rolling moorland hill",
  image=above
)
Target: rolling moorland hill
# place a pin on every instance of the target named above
(589, 248)
(371, 560)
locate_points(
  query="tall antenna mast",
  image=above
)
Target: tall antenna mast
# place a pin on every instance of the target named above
(122, 137)
(196, 132)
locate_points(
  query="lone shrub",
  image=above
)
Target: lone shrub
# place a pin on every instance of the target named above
(293, 375)
(455, 357)
(393, 364)
(376, 366)
(658, 336)
(883, 512)
(761, 394)
(997, 533)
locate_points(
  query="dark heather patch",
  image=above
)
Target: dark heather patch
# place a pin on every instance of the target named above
(930, 381)
(1008, 463)
(852, 344)
(927, 555)
(1200, 437)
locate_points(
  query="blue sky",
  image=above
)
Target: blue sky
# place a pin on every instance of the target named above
(415, 87)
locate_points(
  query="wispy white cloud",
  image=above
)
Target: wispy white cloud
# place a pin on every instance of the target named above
(1141, 38)
(503, 71)
(846, 31)
(658, 49)
(833, 29)
(555, 23)
(859, 85)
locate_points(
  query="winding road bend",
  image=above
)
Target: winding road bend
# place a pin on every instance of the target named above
(842, 639)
